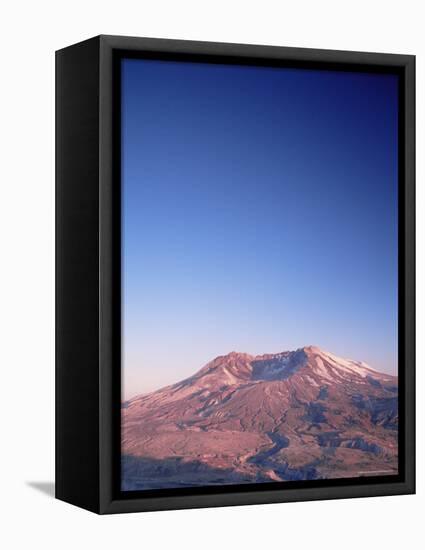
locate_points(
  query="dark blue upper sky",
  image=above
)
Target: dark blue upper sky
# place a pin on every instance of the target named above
(259, 215)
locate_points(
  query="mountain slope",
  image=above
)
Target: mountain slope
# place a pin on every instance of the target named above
(301, 414)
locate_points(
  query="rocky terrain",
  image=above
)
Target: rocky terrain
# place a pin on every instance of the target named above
(295, 415)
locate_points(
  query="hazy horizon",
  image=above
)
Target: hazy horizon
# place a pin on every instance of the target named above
(259, 216)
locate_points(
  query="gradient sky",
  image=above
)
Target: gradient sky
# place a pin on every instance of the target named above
(259, 215)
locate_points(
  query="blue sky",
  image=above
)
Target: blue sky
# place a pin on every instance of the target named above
(259, 215)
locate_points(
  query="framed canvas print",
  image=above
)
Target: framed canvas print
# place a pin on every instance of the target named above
(235, 274)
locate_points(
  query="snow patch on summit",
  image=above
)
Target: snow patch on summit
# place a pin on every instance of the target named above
(349, 366)
(322, 370)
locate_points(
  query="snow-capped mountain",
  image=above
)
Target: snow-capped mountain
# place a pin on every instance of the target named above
(301, 414)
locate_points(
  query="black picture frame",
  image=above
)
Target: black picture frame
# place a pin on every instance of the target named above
(88, 272)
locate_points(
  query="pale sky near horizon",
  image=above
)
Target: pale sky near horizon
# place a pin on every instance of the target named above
(259, 215)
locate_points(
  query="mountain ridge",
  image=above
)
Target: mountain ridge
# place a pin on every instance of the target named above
(294, 414)
(309, 351)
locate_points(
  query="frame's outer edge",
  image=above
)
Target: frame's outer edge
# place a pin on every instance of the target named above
(252, 51)
(77, 274)
(106, 277)
(105, 418)
(410, 274)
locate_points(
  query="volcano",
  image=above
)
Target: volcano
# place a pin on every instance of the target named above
(295, 415)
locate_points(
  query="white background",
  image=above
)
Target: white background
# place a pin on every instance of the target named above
(30, 32)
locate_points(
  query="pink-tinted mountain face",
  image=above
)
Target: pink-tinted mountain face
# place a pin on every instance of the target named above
(295, 415)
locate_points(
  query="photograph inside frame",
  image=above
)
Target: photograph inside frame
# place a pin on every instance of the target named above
(259, 274)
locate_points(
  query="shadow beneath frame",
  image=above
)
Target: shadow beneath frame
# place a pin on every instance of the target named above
(46, 487)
